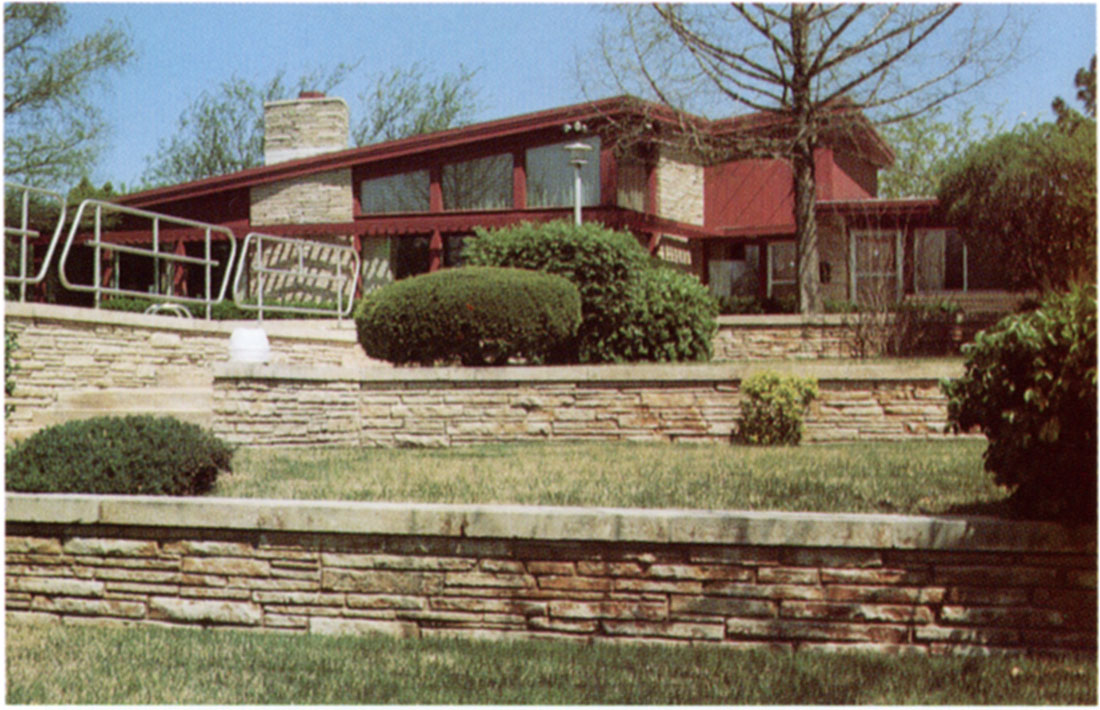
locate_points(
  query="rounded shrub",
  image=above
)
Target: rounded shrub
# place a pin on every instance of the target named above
(476, 315)
(1030, 387)
(139, 455)
(626, 308)
(772, 407)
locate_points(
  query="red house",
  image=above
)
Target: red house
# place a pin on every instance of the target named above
(407, 205)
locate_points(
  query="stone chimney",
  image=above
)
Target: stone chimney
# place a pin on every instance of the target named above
(303, 127)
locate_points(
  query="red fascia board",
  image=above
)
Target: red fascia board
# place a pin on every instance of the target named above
(898, 206)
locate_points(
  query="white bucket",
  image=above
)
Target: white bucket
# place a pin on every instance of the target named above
(249, 345)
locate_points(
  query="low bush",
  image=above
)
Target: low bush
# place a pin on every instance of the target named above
(139, 455)
(476, 315)
(772, 407)
(626, 309)
(11, 344)
(1030, 387)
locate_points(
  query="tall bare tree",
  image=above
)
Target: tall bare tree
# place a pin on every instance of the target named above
(810, 69)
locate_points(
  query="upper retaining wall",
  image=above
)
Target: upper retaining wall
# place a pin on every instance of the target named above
(258, 404)
(66, 353)
(782, 580)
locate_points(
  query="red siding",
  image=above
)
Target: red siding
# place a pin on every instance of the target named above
(758, 192)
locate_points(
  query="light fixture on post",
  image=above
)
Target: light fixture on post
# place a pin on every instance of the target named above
(576, 152)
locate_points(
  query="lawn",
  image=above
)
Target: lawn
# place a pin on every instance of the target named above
(73, 664)
(921, 477)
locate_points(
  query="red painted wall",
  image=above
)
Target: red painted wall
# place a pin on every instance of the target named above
(758, 192)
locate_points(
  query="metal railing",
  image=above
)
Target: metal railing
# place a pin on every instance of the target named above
(298, 272)
(27, 235)
(206, 261)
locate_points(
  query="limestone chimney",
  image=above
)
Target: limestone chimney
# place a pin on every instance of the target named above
(303, 127)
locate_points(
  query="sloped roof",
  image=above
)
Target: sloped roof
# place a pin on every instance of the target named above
(621, 107)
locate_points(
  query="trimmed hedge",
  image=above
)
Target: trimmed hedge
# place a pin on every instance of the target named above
(632, 308)
(139, 455)
(476, 315)
(1030, 386)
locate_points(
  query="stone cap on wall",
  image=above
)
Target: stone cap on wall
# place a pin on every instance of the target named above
(929, 370)
(311, 329)
(848, 530)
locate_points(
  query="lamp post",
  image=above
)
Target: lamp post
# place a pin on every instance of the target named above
(576, 152)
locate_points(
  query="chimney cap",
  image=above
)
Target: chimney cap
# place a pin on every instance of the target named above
(311, 95)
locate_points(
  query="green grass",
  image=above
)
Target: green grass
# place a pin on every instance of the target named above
(887, 477)
(65, 664)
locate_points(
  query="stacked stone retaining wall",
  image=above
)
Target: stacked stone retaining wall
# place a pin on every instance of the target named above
(780, 580)
(262, 405)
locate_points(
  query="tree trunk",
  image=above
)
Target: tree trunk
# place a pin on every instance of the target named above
(802, 164)
(805, 221)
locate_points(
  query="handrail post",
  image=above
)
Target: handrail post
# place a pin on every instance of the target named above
(25, 214)
(206, 255)
(96, 265)
(260, 277)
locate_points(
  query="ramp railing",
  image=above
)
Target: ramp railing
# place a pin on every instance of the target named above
(27, 235)
(99, 209)
(295, 263)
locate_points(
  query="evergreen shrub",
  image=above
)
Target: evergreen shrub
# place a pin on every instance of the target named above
(772, 407)
(476, 315)
(139, 455)
(623, 305)
(1030, 387)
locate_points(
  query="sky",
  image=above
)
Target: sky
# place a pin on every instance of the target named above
(526, 55)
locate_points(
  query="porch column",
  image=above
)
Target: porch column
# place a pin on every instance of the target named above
(435, 252)
(519, 180)
(435, 189)
(179, 272)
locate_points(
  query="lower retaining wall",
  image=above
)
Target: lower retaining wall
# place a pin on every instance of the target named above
(258, 405)
(782, 580)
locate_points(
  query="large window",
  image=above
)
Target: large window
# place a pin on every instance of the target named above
(875, 266)
(404, 192)
(550, 175)
(782, 270)
(482, 184)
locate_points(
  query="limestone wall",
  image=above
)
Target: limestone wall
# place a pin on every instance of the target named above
(320, 198)
(264, 405)
(785, 581)
(679, 189)
(76, 362)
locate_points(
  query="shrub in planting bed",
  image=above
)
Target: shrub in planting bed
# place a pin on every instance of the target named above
(140, 455)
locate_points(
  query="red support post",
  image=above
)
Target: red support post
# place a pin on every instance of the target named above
(519, 180)
(435, 252)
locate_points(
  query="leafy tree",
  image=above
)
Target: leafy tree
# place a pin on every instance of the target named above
(222, 131)
(815, 69)
(924, 146)
(1027, 199)
(52, 132)
(1085, 81)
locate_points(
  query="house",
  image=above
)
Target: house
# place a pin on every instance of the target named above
(407, 205)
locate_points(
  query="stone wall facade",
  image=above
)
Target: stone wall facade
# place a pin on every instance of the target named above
(679, 189)
(264, 405)
(312, 199)
(783, 581)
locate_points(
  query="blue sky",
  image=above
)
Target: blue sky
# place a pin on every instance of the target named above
(526, 54)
